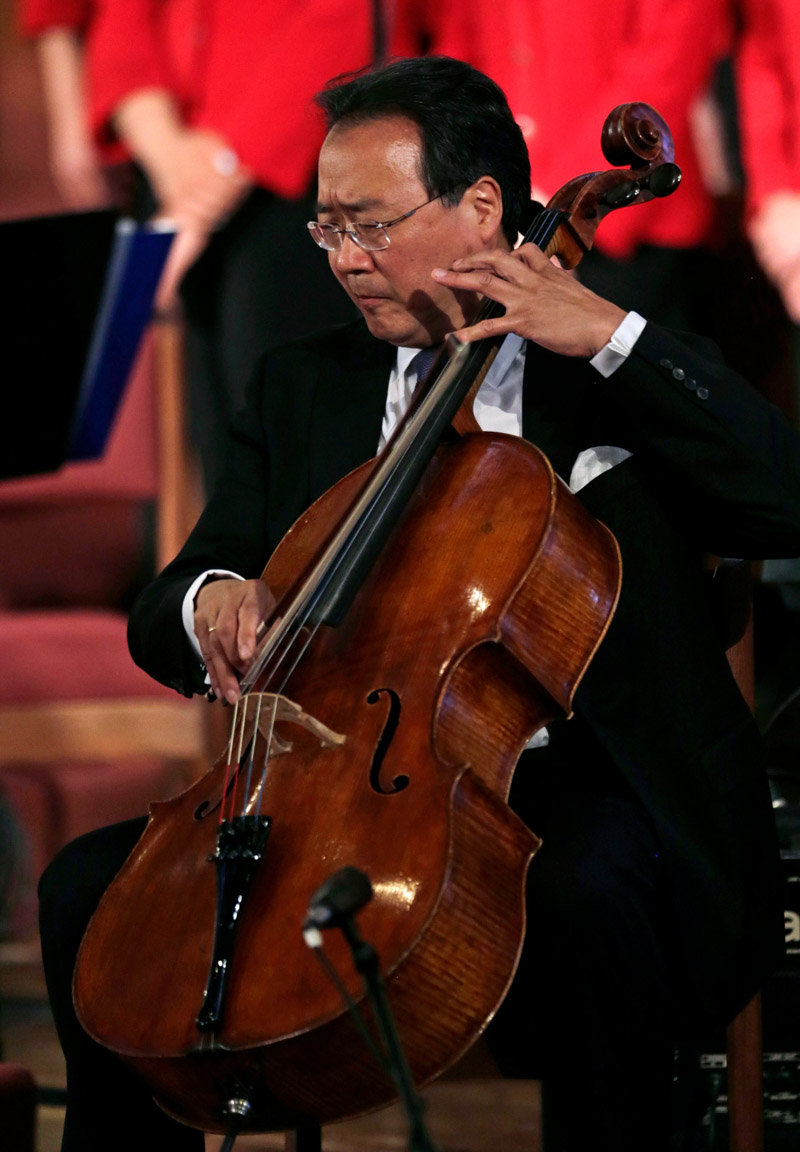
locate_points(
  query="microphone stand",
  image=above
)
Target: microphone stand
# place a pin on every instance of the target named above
(367, 964)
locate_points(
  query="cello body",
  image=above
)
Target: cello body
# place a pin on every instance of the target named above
(470, 632)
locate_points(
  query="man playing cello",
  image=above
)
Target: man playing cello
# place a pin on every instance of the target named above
(656, 894)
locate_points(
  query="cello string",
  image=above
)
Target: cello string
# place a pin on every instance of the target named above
(228, 763)
(277, 655)
(246, 798)
(267, 755)
(261, 786)
(257, 669)
(282, 687)
(240, 722)
(239, 754)
(279, 692)
(546, 222)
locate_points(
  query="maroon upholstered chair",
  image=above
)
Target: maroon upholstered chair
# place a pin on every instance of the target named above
(85, 736)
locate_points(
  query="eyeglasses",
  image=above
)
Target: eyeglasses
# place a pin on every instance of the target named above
(371, 236)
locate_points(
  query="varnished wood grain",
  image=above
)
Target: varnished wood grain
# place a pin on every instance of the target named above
(452, 598)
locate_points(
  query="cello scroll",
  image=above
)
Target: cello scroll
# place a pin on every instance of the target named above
(633, 134)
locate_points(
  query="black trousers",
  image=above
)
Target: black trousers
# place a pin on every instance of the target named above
(108, 1107)
(590, 1009)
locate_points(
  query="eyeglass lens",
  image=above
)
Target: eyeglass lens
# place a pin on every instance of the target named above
(370, 237)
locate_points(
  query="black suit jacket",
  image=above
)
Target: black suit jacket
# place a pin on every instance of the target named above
(713, 468)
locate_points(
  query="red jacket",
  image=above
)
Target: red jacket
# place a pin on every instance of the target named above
(768, 79)
(564, 67)
(36, 16)
(246, 68)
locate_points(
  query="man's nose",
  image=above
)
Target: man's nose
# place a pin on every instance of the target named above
(352, 258)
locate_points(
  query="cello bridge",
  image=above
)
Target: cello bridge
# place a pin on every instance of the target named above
(271, 707)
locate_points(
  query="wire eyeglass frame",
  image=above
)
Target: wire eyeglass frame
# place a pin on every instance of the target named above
(331, 237)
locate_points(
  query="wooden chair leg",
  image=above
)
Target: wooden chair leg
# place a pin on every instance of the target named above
(745, 1094)
(180, 497)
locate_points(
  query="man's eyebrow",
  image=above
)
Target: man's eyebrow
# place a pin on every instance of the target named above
(353, 206)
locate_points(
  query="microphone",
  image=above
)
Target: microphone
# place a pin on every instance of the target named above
(334, 905)
(337, 899)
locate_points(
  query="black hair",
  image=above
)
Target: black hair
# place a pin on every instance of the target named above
(465, 124)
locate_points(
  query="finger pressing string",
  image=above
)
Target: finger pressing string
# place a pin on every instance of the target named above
(498, 326)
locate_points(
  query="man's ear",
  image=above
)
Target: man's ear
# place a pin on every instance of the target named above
(486, 200)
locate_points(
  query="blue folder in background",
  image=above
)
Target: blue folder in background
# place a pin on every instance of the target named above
(79, 293)
(126, 306)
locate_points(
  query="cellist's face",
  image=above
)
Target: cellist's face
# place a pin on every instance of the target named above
(371, 172)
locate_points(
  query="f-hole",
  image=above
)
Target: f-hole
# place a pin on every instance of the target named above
(386, 737)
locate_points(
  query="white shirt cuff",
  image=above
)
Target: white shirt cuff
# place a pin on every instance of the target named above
(620, 345)
(187, 610)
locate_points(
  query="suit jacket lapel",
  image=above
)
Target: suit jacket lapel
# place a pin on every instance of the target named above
(349, 403)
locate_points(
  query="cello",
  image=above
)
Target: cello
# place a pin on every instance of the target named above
(364, 736)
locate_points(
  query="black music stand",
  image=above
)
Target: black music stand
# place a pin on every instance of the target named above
(79, 294)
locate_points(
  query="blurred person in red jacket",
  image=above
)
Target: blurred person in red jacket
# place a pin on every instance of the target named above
(562, 77)
(57, 28)
(212, 101)
(767, 62)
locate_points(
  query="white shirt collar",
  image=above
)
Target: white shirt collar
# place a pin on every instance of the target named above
(404, 358)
